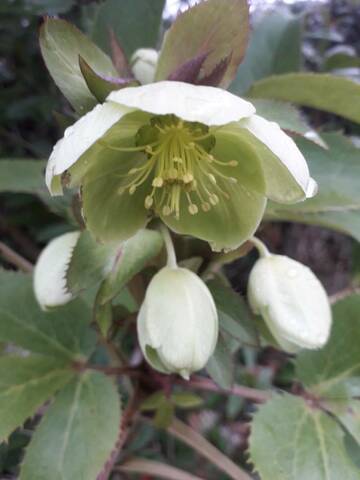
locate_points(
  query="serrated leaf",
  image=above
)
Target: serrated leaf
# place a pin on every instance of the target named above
(220, 367)
(288, 117)
(291, 440)
(326, 92)
(234, 315)
(337, 204)
(133, 256)
(325, 371)
(61, 44)
(274, 48)
(63, 333)
(136, 23)
(25, 384)
(90, 262)
(77, 433)
(22, 176)
(215, 28)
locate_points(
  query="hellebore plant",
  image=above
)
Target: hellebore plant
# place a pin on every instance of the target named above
(198, 157)
(291, 300)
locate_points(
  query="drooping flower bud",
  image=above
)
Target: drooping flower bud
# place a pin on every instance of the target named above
(292, 302)
(143, 63)
(50, 270)
(178, 322)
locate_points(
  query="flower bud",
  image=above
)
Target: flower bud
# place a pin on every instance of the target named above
(50, 271)
(292, 302)
(143, 64)
(178, 322)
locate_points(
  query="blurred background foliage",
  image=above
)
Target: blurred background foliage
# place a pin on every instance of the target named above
(315, 36)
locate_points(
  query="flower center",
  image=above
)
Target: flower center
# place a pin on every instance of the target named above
(179, 159)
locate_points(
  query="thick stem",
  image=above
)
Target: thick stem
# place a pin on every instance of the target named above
(170, 250)
(261, 247)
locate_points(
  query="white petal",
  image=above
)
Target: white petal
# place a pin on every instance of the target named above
(288, 154)
(194, 103)
(143, 64)
(80, 137)
(49, 274)
(179, 319)
(292, 301)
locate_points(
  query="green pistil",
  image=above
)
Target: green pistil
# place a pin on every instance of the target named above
(180, 163)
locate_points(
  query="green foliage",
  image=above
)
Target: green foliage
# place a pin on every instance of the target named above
(133, 256)
(21, 175)
(221, 366)
(287, 116)
(216, 29)
(63, 333)
(136, 23)
(61, 44)
(78, 432)
(330, 371)
(326, 92)
(292, 440)
(234, 315)
(25, 384)
(274, 48)
(337, 204)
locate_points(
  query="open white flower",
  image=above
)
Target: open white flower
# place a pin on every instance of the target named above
(50, 271)
(178, 322)
(198, 157)
(292, 302)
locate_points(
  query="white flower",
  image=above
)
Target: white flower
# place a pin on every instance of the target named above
(292, 302)
(198, 157)
(50, 270)
(178, 322)
(143, 64)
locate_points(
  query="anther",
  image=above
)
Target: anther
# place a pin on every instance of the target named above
(158, 182)
(193, 209)
(206, 206)
(177, 160)
(232, 179)
(149, 202)
(188, 178)
(214, 199)
(166, 210)
(133, 170)
(132, 189)
(212, 178)
(233, 163)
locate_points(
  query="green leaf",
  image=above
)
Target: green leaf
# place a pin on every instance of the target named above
(220, 367)
(186, 399)
(153, 401)
(341, 60)
(288, 117)
(164, 414)
(132, 257)
(234, 315)
(291, 440)
(25, 384)
(274, 48)
(326, 92)
(216, 29)
(48, 7)
(100, 86)
(78, 432)
(61, 44)
(136, 23)
(327, 371)
(349, 416)
(62, 333)
(22, 176)
(337, 204)
(90, 262)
